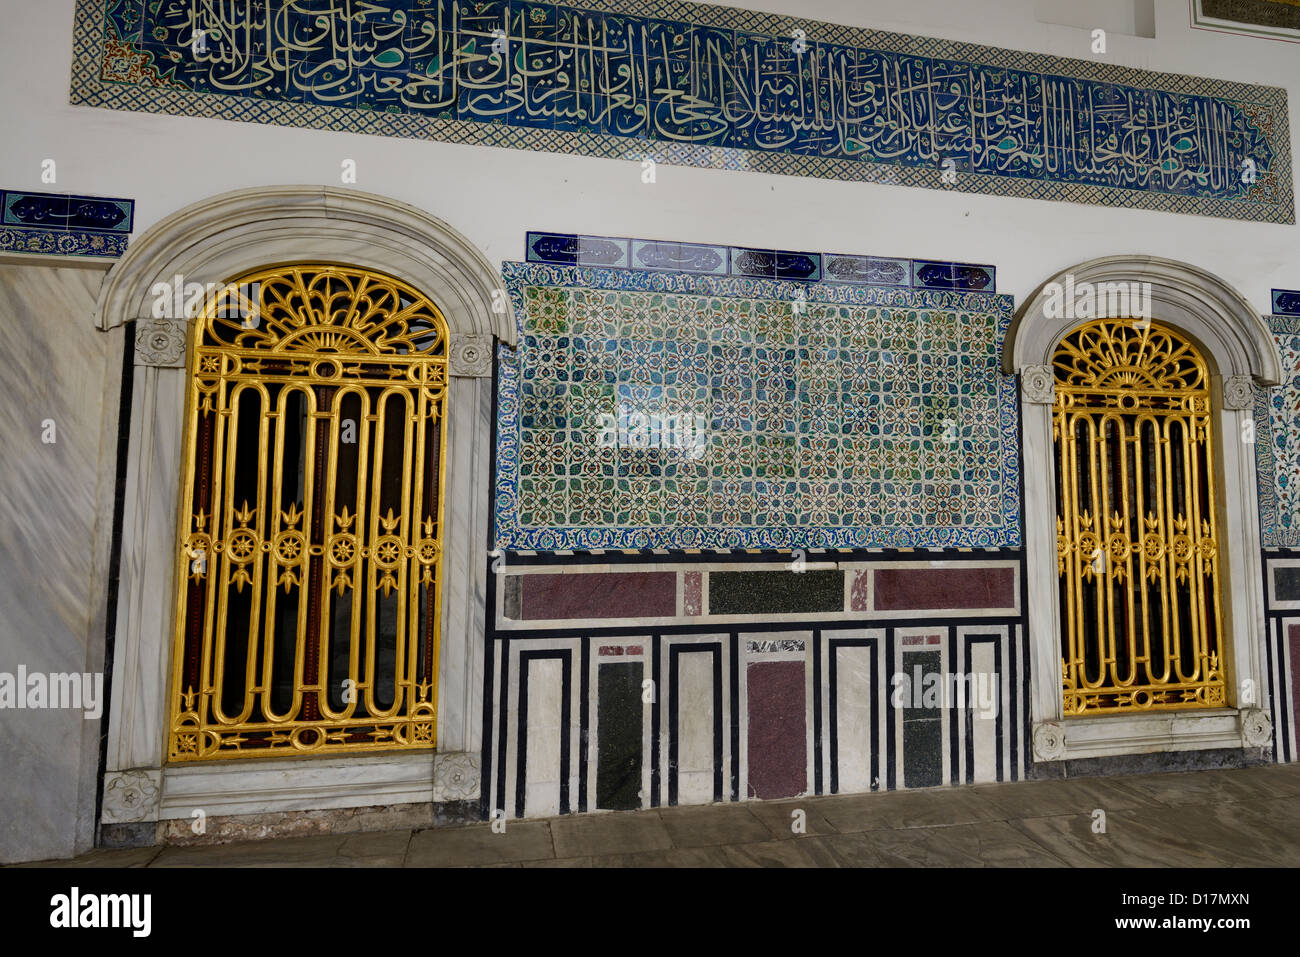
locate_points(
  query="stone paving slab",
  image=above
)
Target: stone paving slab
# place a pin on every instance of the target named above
(584, 836)
(105, 857)
(713, 824)
(365, 849)
(1023, 799)
(987, 844)
(778, 818)
(479, 844)
(1215, 787)
(1215, 818)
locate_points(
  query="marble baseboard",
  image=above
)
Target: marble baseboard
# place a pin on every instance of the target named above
(449, 813)
(256, 827)
(298, 786)
(138, 834)
(279, 786)
(1116, 735)
(1199, 760)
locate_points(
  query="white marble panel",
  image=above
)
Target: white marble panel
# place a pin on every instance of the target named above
(544, 738)
(466, 504)
(695, 728)
(984, 721)
(854, 701)
(56, 512)
(276, 785)
(147, 600)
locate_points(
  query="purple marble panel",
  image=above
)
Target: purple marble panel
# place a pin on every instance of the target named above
(778, 750)
(597, 595)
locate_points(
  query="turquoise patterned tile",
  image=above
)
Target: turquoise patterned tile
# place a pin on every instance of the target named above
(870, 417)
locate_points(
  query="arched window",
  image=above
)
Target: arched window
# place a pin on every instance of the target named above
(1137, 550)
(309, 580)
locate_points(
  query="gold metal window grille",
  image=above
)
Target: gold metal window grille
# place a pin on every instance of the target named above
(1137, 552)
(309, 585)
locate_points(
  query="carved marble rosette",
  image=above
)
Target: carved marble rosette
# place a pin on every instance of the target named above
(456, 777)
(1038, 385)
(1049, 742)
(471, 355)
(131, 796)
(1238, 392)
(1256, 728)
(160, 342)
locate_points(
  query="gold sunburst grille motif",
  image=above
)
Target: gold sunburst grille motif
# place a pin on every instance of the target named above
(1137, 552)
(309, 580)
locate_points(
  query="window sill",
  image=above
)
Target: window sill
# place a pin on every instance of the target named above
(1073, 738)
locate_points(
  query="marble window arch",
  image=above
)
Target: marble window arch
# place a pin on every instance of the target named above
(215, 241)
(1242, 356)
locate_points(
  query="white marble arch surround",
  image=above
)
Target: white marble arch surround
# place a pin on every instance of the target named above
(1242, 355)
(215, 241)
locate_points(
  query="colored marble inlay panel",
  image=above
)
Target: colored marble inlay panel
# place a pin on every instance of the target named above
(778, 751)
(1286, 583)
(618, 723)
(692, 594)
(646, 410)
(922, 730)
(860, 593)
(1293, 639)
(597, 595)
(901, 589)
(911, 641)
(705, 86)
(1277, 442)
(758, 593)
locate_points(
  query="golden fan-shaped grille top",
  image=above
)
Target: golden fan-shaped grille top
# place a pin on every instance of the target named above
(1129, 355)
(324, 309)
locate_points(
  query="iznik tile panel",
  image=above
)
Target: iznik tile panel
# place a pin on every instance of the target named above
(676, 410)
(64, 225)
(704, 86)
(1277, 442)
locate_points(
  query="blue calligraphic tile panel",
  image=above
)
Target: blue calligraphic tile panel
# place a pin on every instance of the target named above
(1286, 302)
(944, 275)
(568, 249)
(1277, 439)
(701, 85)
(652, 409)
(61, 211)
(64, 225)
(679, 257)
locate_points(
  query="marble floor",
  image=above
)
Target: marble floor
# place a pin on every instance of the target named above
(1248, 816)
